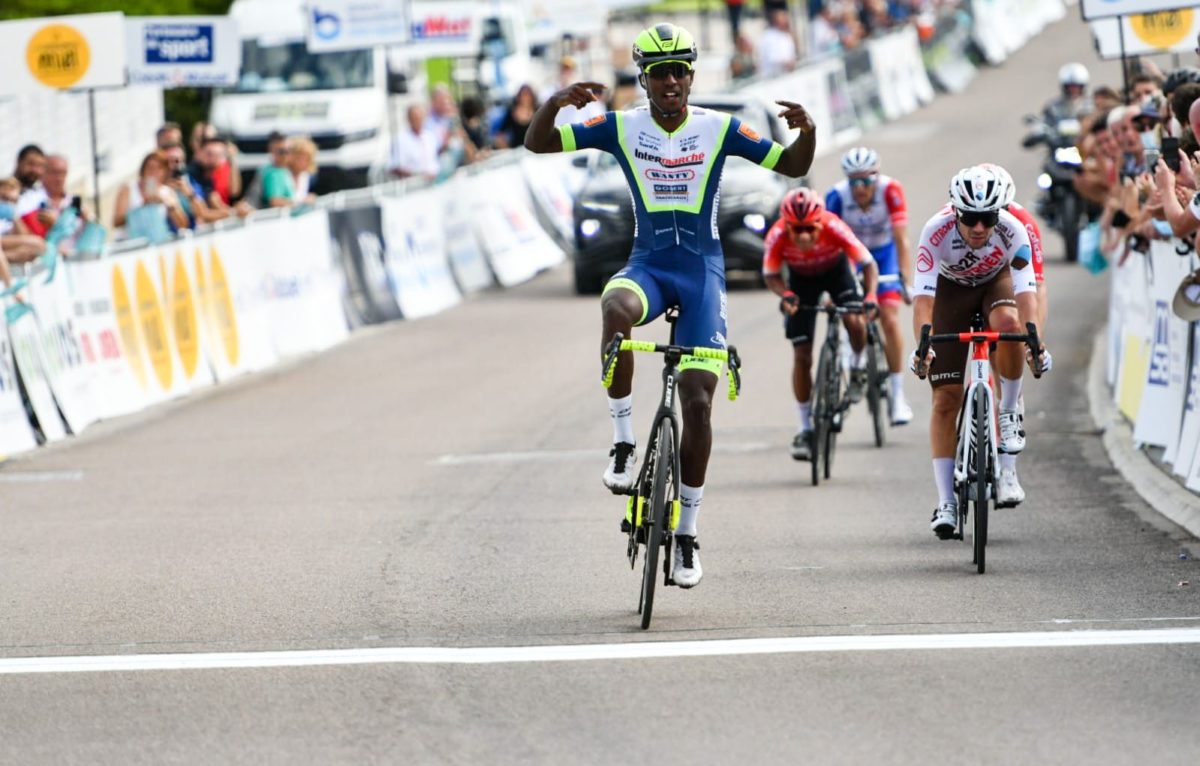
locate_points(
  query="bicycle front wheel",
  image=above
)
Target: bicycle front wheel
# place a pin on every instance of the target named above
(876, 391)
(821, 411)
(658, 515)
(832, 385)
(983, 475)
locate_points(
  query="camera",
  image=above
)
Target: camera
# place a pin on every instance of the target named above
(1170, 153)
(177, 172)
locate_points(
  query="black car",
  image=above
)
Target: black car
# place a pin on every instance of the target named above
(749, 204)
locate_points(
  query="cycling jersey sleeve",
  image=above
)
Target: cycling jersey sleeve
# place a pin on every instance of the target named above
(1035, 245)
(741, 140)
(1021, 262)
(893, 195)
(600, 132)
(856, 251)
(772, 259)
(925, 280)
(833, 202)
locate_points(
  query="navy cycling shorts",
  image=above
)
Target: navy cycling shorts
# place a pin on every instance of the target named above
(695, 284)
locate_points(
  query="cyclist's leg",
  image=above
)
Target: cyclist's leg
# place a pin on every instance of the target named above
(844, 288)
(1009, 358)
(800, 329)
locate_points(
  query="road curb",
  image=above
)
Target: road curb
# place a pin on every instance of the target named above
(1160, 491)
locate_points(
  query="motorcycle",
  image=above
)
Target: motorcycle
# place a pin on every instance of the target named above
(1059, 204)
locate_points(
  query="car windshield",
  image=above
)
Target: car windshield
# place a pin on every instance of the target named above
(290, 67)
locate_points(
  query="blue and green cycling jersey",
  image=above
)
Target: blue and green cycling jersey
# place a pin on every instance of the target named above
(674, 178)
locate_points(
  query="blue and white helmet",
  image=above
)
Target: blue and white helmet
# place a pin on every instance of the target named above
(860, 159)
(977, 190)
(1010, 187)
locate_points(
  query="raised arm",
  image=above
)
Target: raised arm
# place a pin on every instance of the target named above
(541, 137)
(797, 158)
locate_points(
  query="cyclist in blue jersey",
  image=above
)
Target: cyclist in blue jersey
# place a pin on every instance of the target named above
(672, 156)
(874, 207)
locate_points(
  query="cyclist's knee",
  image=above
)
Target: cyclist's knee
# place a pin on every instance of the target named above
(802, 354)
(696, 396)
(1004, 319)
(621, 307)
(946, 400)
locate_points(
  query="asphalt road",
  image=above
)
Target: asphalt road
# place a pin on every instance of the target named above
(437, 484)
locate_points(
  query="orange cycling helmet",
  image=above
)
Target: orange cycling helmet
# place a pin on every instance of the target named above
(801, 206)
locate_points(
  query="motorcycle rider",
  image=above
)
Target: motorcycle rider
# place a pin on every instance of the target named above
(1072, 103)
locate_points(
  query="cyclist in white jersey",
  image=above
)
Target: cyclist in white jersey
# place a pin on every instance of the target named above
(973, 257)
(873, 205)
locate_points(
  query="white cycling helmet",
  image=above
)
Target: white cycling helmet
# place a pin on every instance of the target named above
(1073, 74)
(1006, 179)
(860, 159)
(977, 190)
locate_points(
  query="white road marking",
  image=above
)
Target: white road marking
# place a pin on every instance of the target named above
(566, 455)
(24, 477)
(591, 652)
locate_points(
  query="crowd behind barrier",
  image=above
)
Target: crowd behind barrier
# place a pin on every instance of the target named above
(86, 339)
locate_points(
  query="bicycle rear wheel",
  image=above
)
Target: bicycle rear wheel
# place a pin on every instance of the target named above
(983, 475)
(876, 390)
(657, 517)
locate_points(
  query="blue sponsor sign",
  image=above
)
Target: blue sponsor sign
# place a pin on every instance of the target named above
(178, 43)
(182, 51)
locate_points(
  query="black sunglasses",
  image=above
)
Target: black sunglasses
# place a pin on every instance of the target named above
(969, 218)
(676, 69)
(802, 228)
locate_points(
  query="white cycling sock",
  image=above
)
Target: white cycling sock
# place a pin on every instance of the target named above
(804, 410)
(1010, 393)
(621, 411)
(1008, 462)
(689, 509)
(860, 359)
(896, 382)
(943, 476)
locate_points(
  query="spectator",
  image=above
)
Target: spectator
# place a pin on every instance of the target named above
(414, 151)
(776, 47)
(1142, 87)
(568, 74)
(15, 239)
(442, 116)
(170, 133)
(148, 207)
(741, 63)
(194, 207)
(823, 34)
(224, 178)
(302, 165)
(474, 123)
(31, 165)
(205, 172)
(1120, 122)
(734, 8)
(1181, 102)
(514, 124)
(277, 151)
(1101, 161)
(53, 198)
(1105, 99)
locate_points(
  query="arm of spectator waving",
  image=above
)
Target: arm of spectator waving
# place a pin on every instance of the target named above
(121, 207)
(541, 137)
(1183, 221)
(797, 158)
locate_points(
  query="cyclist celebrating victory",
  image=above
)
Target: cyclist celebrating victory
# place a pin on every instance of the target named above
(817, 247)
(973, 257)
(672, 155)
(873, 206)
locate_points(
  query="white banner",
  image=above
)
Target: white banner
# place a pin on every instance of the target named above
(416, 253)
(548, 178)
(67, 371)
(1161, 407)
(988, 21)
(516, 244)
(471, 271)
(338, 25)
(1098, 9)
(1189, 433)
(117, 390)
(182, 51)
(1169, 31)
(237, 303)
(445, 30)
(808, 85)
(1137, 326)
(903, 83)
(63, 52)
(15, 432)
(27, 351)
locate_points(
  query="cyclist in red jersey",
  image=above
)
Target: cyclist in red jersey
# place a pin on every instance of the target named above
(817, 248)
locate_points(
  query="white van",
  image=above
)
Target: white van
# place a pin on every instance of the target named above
(352, 102)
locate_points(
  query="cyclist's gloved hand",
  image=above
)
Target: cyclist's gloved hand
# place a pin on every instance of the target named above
(1045, 359)
(788, 303)
(871, 305)
(921, 366)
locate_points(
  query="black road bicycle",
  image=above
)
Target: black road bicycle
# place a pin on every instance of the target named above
(653, 506)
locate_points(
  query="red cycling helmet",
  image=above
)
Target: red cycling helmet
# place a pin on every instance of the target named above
(801, 206)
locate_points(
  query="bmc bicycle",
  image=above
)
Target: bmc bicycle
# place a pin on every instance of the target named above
(976, 461)
(830, 400)
(652, 509)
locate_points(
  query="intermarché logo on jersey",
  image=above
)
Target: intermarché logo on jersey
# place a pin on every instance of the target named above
(696, 158)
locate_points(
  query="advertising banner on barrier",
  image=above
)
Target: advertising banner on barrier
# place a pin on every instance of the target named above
(1160, 410)
(846, 127)
(810, 86)
(230, 271)
(863, 87)
(114, 380)
(470, 268)
(1189, 432)
(188, 332)
(357, 237)
(1136, 326)
(548, 179)
(945, 55)
(516, 245)
(15, 433)
(415, 239)
(989, 18)
(903, 82)
(144, 282)
(27, 351)
(67, 371)
(304, 286)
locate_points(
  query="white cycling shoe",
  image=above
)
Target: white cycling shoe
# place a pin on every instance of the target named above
(1009, 493)
(902, 414)
(1012, 432)
(621, 471)
(686, 571)
(945, 521)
